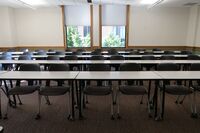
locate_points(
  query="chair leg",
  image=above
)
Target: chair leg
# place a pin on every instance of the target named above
(141, 101)
(69, 107)
(118, 103)
(6, 114)
(20, 102)
(177, 100)
(39, 107)
(181, 102)
(112, 107)
(47, 100)
(193, 105)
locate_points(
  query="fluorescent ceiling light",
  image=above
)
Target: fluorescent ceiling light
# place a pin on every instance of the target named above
(148, 2)
(34, 2)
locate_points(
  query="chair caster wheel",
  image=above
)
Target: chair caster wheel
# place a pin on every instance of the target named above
(181, 102)
(112, 117)
(176, 102)
(158, 118)
(141, 102)
(194, 115)
(37, 117)
(5, 117)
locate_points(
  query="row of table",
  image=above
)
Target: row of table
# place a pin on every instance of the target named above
(82, 76)
(89, 52)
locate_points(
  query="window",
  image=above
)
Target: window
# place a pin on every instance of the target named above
(113, 25)
(77, 23)
(113, 36)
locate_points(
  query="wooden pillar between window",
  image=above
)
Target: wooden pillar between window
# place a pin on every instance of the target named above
(127, 25)
(63, 27)
(100, 26)
(91, 26)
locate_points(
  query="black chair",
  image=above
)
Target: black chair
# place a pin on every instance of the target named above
(25, 89)
(97, 57)
(148, 57)
(28, 53)
(60, 53)
(39, 50)
(167, 57)
(193, 57)
(113, 51)
(53, 57)
(96, 53)
(173, 87)
(24, 57)
(72, 66)
(116, 57)
(130, 87)
(77, 53)
(57, 90)
(51, 50)
(167, 52)
(185, 52)
(156, 49)
(101, 88)
(23, 49)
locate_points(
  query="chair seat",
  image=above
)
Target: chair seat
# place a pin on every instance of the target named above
(54, 90)
(23, 90)
(98, 90)
(177, 90)
(132, 90)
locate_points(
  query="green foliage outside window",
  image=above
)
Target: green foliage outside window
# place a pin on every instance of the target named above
(75, 40)
(113, 41)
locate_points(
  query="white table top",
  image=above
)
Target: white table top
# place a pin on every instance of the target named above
(174, 75)
(97, 61)
(39, 75)
(117, 75)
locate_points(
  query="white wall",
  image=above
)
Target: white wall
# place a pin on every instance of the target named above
(158, 26)
(7, 30)
(197, 35)
(40, 27)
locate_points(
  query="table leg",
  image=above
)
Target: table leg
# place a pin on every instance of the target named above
(163, 101)
(72, 93)
(80, 99)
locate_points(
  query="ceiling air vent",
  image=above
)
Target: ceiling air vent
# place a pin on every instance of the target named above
(190, 4)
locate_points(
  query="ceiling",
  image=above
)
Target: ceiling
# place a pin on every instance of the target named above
(167, 3)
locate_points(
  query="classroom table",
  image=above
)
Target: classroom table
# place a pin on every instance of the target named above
(114, 76)
(175, 75)
(42, 75)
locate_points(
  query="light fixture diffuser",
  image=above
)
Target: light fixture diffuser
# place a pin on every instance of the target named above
(34, 2)
(148, 2)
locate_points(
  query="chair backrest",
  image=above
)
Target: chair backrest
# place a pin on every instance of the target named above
(186, 52)
(148, 53)
(51, 50)
(193, 57)
(113, 51)
(80, 50)
(5, 57)
(59, 53)
(41, 53)
(167, 57)
(77, 53)
(117, 57)
(11, 50)
(71, 57)
(59, 67)
(130, 67)
(99, 67)
(23, 50)
(156, 49)
(168, 52)
(53, 57)
(7, 53)
(148, 57)
(96, 53)
(24, 57)
(39, 50)
(97, 57)
(134, 53)
(29, 67)
(167, 67)
(68, 50)
(195, 67)
(28, 53)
